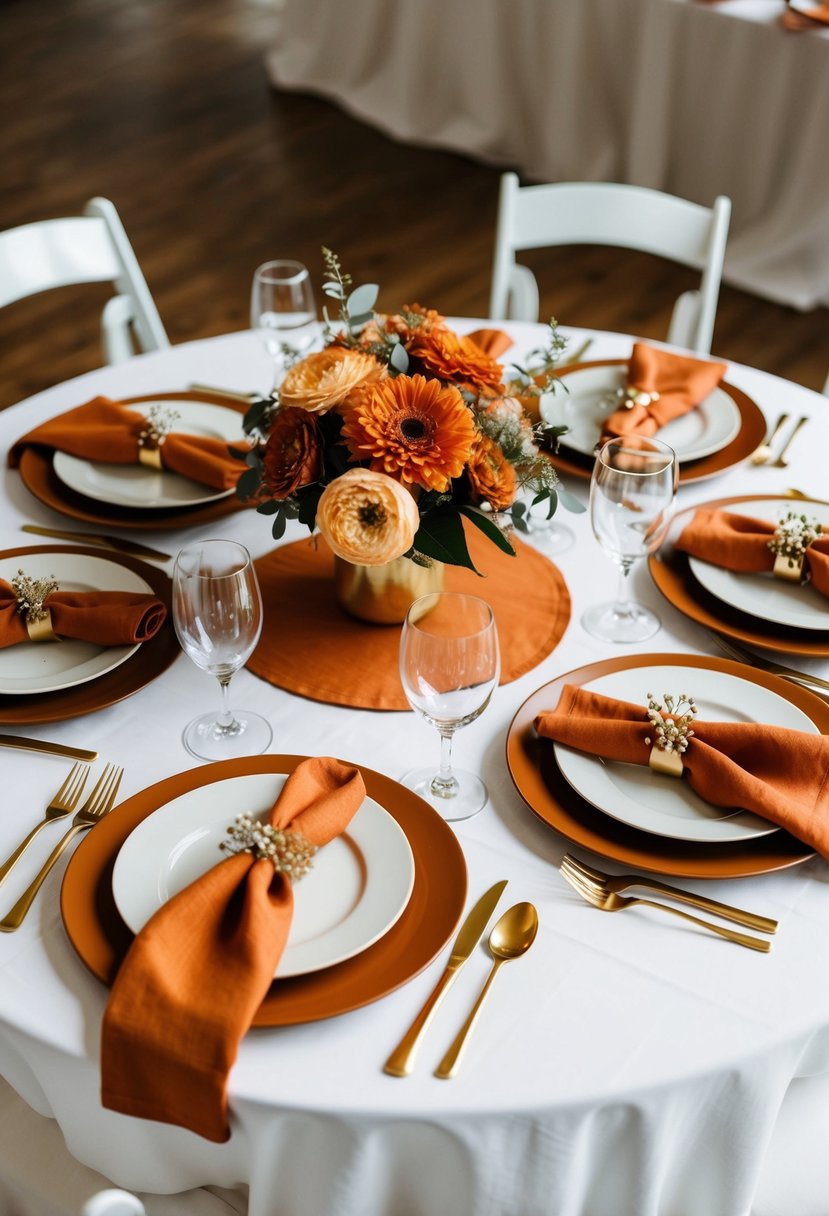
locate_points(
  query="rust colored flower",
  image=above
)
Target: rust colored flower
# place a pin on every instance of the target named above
(427, 321)
(367, 518)
(442, 353)
(415, 430)
(327, 378)
(293, 453)
(492, 478)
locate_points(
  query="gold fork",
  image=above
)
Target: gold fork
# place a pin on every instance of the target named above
(763, 454)
(610, 902)
(63, 803)
(805, 679)
(782, 460)
(98, 804)
(617, 883)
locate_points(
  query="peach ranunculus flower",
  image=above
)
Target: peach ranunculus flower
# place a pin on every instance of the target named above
(326, 378)
(367, 518)
(416, 430)
(492, 478)
(293, 453)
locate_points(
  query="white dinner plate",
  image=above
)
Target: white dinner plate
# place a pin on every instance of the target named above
(128, 485)
(32, 667)
(762, 595)
(635, 795)
(590, 399)
(359, 885)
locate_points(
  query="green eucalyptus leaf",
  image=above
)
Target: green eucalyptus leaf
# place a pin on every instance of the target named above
(363, 299)
(489, 528)
(399, 359)
(570, 502)
(359, 321)
(255, 414)
(248, 483)
(269, 508)
(333, 289)
(279, 523)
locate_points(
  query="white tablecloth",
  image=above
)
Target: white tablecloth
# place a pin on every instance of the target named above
(691, 98)
(626, 1066)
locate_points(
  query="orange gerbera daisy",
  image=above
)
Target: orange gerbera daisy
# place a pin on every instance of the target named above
(327, 378)
(444, 354)
(416, 430)
(492, 478)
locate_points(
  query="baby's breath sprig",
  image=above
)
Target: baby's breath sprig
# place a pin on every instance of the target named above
(30, 594)
(671, 722)
(793, 535)
(289, 852)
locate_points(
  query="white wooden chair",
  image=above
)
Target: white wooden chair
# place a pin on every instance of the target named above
(91, 248)
(597, 213)
(826, 387)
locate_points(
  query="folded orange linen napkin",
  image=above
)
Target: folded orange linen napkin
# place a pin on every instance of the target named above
(780, 774)
(492, 342)
(740, 543)
(681, 381)
(108, 431)
(195, 975)
(107, 618)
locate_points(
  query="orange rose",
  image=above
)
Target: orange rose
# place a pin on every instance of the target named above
(367, 518)
(492, 478)
(293, 452)
(327, 377)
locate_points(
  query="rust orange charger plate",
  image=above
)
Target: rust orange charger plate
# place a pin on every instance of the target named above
(40, 479)
(751, 433)
(149, 661)
(101, 938)
(309, 645)
(533, 768)
(672, 574)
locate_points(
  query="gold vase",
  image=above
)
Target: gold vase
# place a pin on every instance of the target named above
(384, 594)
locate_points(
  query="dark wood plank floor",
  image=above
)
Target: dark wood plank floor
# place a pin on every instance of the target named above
(164, 106)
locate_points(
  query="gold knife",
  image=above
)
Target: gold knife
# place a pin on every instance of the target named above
(401, 1061)
(52, 749)
(108, 542)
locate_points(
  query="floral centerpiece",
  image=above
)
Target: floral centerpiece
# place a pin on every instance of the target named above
(398, 431)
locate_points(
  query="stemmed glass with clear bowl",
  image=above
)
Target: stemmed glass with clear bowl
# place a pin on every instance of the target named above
(283, 310)
(217, 613)
(632, 498)
(449, 665)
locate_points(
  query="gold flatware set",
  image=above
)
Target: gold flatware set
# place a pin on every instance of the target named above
(130, 547)
(764, 454)
(805, 679)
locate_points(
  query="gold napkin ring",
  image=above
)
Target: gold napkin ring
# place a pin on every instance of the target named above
(30, 594)
(631, 395)
(792, 537)
(158, 424)
(671, 724)
(290, 853)
(151, 457)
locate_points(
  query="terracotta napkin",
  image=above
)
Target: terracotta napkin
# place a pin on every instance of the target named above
(738, 542)
(812, 18)
(780, 774)
(108, 431)
(108, 618)
(195, 975)
(492, 342)
(681, 381)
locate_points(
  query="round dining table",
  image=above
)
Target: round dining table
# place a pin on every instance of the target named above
(627, 1065)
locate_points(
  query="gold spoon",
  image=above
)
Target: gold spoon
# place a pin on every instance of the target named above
(511, 937)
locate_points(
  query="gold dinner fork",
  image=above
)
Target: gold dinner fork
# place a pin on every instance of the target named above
(764, 453)
(608, 901)
(63, 803)
(98, 804)
(617, 883)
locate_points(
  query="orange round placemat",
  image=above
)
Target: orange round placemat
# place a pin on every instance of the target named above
(310, 646)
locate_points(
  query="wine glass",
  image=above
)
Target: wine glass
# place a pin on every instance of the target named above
(632, 497)
(449, 664)
(283, 311)
(217, 613)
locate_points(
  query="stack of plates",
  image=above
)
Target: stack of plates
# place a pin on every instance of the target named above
(379, 904)
(134, 496)
(723, 430)
(756, 608)
(643, 819)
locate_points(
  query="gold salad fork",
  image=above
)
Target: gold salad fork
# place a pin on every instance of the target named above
(98, 804)
(617, 883)
(63, 803)
(609, 901)
(764, 453)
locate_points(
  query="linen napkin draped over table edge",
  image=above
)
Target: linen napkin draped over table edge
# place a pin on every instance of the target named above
(195, 975)
(741, 543)
(107, 431)
(107, 618)
(682, 382)
(778, 773)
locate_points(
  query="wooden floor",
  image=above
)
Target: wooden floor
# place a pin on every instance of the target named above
(164, 106)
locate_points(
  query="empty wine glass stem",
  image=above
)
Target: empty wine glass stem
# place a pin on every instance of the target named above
(445, 784)
(621, 607)
(225, 722)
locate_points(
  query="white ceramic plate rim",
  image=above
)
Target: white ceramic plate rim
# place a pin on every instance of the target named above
(714, 423)
(186, 832)
(33, 667)
(140, 487)
(762, 595)
(663, 805)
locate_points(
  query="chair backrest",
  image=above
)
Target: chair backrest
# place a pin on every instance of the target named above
(92, 248)
(113, 1203)
(598, 213)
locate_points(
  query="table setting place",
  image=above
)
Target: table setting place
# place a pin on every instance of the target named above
(297, 894)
